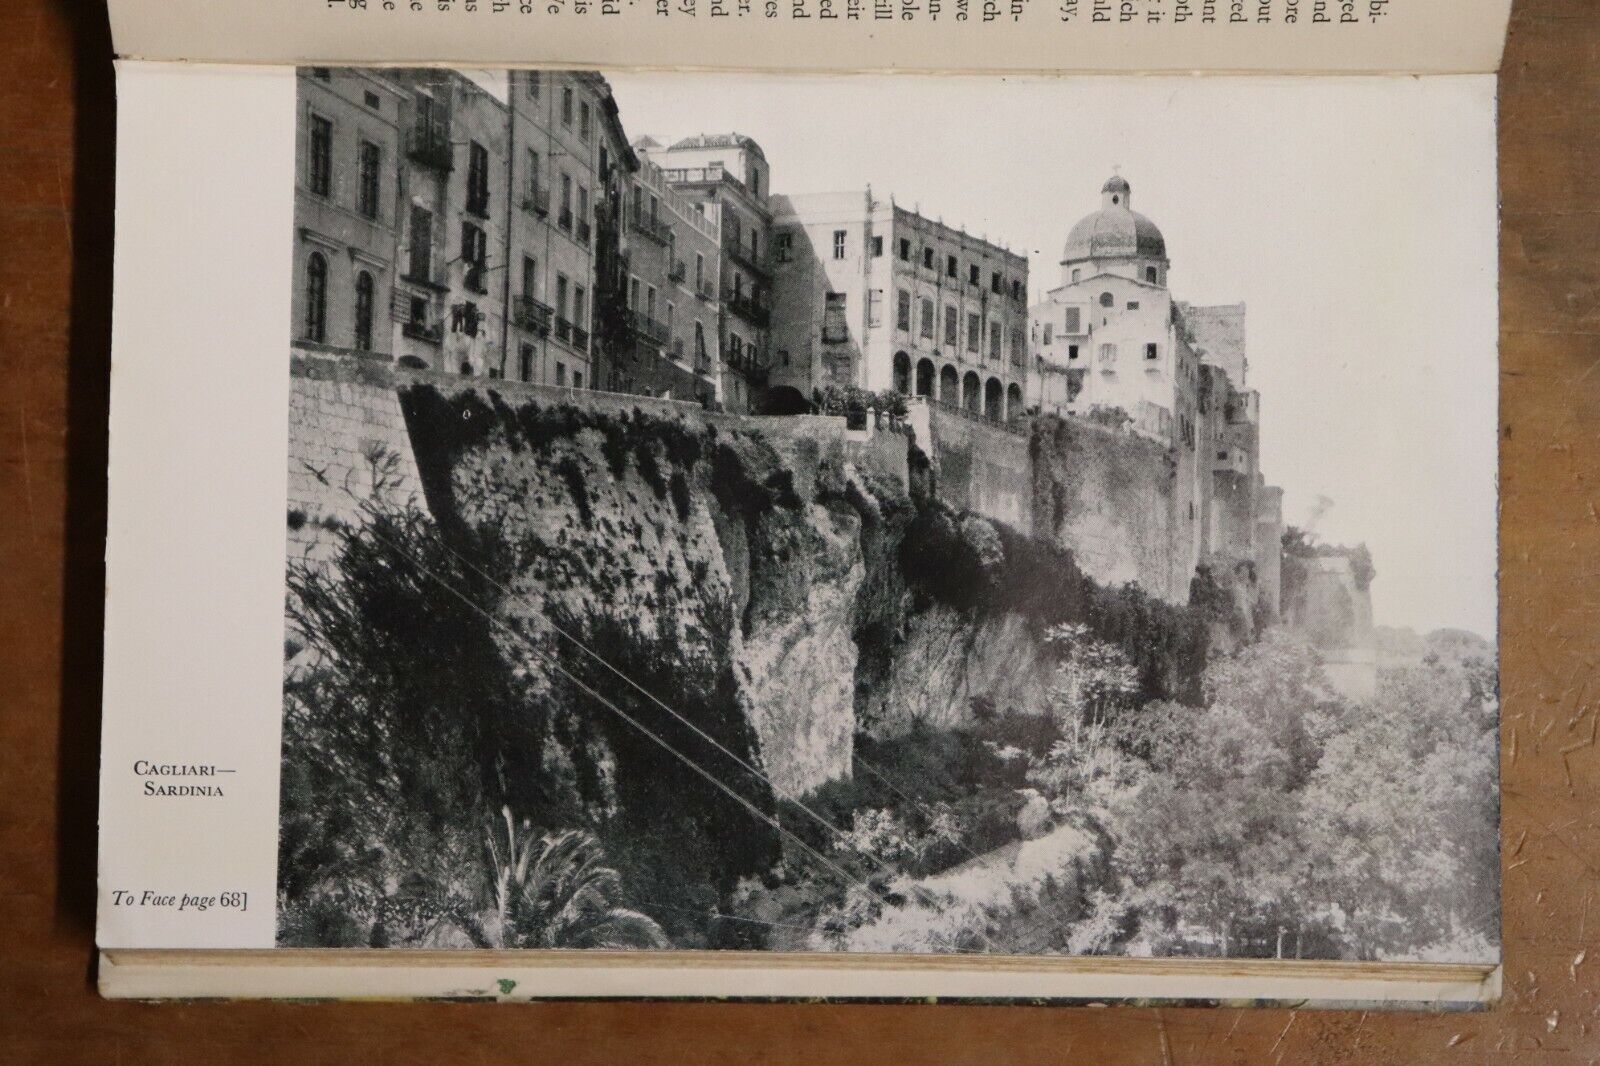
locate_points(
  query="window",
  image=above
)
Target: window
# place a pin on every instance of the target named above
(561, 368)
(477, 179)
(530, 276)
(566, 202)
(928, 317)
(525, 362)
(1049, 336)
(316, 325)
(421, 250)
(671, 316)
(1074, 322)
(561, 295)
(533, 173)
(633, 294)
(1016, 288)
(566, 106)
(950, 325)
(368, 193)
(1107, 300)
(364, 311)
(532, 77)
(974, 332)
(996, 283)
(1151, 351)
(583, 120)
(1108, 353)
(1222, 455)
(1133, 305)
(322, 73)
(474, 254)
(1072, 351)
(950, 266)
(877, 247)
(902, 311)
(320, 177)
(905, 248)
(995, 351)
(972, 274)
(583, 204)
(782, 245)
(700, 269)
(650, 301)
(838, 243)
(580, 307)
(835, 330)
(1150, 275)
(577, 379)
(874, 308)
(927, 258)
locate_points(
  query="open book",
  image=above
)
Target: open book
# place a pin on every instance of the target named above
(804, 499)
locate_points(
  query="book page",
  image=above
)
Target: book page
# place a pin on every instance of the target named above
(1402, 36)
(694, 513)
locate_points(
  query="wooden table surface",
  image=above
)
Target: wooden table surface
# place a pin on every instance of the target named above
(56, 156)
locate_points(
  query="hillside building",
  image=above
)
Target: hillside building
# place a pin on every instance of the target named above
(727, 177)
(872, 295)
(1110, 344)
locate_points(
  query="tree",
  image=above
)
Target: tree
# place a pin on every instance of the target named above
(555, 892)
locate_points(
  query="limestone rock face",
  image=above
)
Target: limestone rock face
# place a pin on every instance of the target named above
(949, 658)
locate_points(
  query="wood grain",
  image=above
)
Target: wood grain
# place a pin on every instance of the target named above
(56, 154)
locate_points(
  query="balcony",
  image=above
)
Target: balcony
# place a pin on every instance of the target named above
(420, 330)
(580, 338)
(678, 270)
(653, 228)
(705, 290)
(747, 308)
(740, 253)
(563, 331)
(647, 329)
(536, 201)
(582, 233)
(429, 146)
(744, 363)
(529, 313)
(564, 219)
(677, 350)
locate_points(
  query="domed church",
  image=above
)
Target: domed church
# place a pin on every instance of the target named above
(1112, 348)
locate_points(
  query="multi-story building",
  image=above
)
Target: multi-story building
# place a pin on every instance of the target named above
(1110, 341)
(348, 144)
(671, 310)
(561, 154)
(872, 295)
(727, 177)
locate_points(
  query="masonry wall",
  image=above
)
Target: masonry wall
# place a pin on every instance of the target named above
(982, 467)
(347, 442)
(1109, 497)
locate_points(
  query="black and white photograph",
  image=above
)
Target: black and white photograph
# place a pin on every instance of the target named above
(890, 514)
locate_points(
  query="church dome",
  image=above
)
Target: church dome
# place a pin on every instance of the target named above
(1115, 231)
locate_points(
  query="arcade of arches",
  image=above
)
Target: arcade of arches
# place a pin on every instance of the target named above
(946, 385)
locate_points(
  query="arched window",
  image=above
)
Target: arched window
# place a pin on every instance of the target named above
(364, 311)
(1107, 300)
(316, 298)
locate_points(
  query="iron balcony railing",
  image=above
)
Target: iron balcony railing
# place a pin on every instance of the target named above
(580, 338)
(422, 330)
(647, 328)
(654, 228)
(747, 308)
(430, 146)
(678, 270)
(532, 314)
(705, 290)
(740, 253)
(536, 200)
(563, 331)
